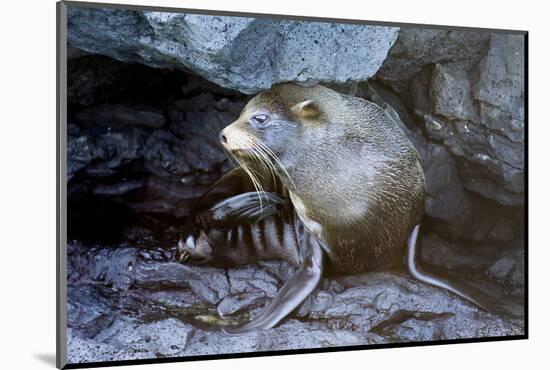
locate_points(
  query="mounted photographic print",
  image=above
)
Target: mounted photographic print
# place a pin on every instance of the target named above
(238, 184)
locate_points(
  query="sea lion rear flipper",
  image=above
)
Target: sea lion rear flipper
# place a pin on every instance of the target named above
(428, 274)
(249, 207)
(295, 290)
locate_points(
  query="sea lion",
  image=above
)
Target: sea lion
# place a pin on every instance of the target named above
(354, 180)
(353, 177)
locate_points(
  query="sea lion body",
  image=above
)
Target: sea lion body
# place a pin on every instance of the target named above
(349, 169)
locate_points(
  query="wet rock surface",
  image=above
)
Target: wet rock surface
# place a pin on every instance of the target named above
(143, 146)
(135, 303)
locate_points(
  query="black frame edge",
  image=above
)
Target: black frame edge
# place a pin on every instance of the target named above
(61, 214)
(526, 181)
(291, 352)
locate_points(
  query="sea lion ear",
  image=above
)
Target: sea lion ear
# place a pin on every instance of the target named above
(306, 109)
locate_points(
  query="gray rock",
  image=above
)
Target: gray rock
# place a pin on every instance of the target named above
(501, 75)
(299, 335)
(500, 91)
(452, 210)
(147, 340)
(511, 266)
(214, 46)
(467, 88)
(120, 188)
(250, 279)
(81, 349)
(80, 153)
(112, 267)
(416, 48)
(114, 115)
(107, 149)
(208, 342)
(446, 200)
(440, 252)
(375, 302)
(191, 115)
(176, 310)
(162, 149)
(166, 197)
(503, 267)
(93, 79)
(502, 122)
(489, 164)
(174, 275)
(491, 153)
(452, 93)
(89, 309)
(102, 153)
(179, 300)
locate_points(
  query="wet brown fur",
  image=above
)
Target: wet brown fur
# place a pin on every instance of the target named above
(352, 170)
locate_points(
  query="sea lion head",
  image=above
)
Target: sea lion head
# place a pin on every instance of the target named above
(274, 128)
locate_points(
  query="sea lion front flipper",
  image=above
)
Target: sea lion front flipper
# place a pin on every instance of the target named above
(249, 207)
(295, 290)
(428, 274)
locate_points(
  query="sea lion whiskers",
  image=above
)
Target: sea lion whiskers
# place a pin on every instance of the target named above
(257, 185)
(266, 162)
(232, 159)
(244, 144)
(254, 154)
(269, 157)
(270, 152)
(259, 157)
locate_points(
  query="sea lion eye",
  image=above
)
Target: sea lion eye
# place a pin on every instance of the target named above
(259, 119)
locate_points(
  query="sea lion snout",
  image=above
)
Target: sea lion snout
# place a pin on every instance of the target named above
(233, 138)
(223, 139)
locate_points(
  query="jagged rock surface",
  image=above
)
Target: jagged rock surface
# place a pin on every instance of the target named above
(137, 303)
(245, 54)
